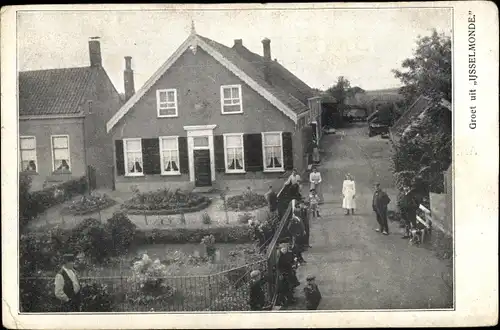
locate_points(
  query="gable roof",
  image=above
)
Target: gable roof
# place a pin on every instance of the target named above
(249, 73)
(53, 91)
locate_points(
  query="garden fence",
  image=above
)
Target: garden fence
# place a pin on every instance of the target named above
(222, 291)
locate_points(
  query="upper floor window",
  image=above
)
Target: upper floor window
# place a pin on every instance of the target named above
(132, 149)
(272, 147)
(231, 99)
(169, 154)
(28, 154)
(166, 100)
(233, 145)
(60, 153)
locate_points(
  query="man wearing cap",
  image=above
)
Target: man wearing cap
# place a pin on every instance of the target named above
(379, 205)
(67, 286)
(311, 291)
(257, 299)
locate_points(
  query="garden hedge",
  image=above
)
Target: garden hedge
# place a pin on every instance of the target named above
(192, 209)
(225, 234)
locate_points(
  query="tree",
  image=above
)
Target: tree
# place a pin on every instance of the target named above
(340, 91)
(428, 72)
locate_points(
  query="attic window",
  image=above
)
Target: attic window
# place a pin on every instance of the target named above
(166, 100)
(231, 99)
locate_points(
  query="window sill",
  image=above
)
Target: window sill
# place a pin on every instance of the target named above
(129, 175)
(29, 172)
(168, 116)
(171, 174)
(235, 172)
(61, 172)
(232, 113)
(274, 170)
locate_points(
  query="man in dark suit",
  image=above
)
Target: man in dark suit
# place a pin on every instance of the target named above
(312, 293)
(379, 205)
(257, 299)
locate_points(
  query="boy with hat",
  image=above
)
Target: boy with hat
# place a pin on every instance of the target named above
(67, 285)
(257, 299)
(311, 291)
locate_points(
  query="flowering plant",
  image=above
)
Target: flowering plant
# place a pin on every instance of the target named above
(150, 276)
(209, 242)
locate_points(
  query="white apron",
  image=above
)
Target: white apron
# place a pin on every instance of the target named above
(348, 190)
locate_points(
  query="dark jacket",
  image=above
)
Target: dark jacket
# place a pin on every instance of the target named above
(257, 296)
(272, 199)
(380, 201)
(285, 263)
(296, 227)
(313, 296)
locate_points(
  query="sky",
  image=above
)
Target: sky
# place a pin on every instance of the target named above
(317, 45)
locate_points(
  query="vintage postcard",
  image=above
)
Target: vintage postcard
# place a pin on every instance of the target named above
(250, 165)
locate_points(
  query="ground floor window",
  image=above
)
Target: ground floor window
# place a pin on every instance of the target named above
(28, 153)
(272, 145)
(60, 153)
(233, 145)
(169, 154)
(132, 148)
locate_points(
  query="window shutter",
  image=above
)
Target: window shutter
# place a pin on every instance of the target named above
(287, 151)
(183, 155)
(151, 156)
(220, 165)
(252, 143)
(120, 159)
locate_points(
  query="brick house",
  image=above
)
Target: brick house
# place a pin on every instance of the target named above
(62, 123)
(215, 116)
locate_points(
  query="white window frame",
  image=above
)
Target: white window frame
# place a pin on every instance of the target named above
(125, 160)
(53, 154)
(228, 170)
(21, 153)
(163, 172)
(222, 99)
(274, 169)
(160, 107)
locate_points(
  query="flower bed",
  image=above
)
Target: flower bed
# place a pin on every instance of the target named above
(89, 204)
(228, 234)
(247, 201)
(165, 202)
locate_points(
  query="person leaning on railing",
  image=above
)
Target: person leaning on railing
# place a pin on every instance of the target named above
(294, 182)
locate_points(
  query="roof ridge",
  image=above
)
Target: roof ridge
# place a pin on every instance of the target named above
(54, 69)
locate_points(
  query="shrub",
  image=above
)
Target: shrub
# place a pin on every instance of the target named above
(149, 278)
(37, 202)
(95, 298)
(246, 202)
(91, 238)
(166, 199)
(245, 217)
(122, 231)
(209, 242)
(89, 204)
(37, 295)
(206, 219)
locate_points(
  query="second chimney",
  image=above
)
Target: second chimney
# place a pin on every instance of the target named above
(95, 52)
(266, 45)
(238, 42)
(128, 78)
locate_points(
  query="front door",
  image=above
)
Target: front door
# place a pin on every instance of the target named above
(202, 173)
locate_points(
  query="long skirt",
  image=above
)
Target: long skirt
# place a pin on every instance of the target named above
(319, 191)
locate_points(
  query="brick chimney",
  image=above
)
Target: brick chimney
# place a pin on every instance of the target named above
(128, 78)
(266, 45)
(238, 42)
(95, 52)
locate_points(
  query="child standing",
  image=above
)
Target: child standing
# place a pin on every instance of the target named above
(311, 291)
(313, 203)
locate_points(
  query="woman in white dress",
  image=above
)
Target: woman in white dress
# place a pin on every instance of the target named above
(349, 194)
(315, 180)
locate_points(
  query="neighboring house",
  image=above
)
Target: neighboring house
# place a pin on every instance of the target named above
(214, 116)
(62, 123)
(411, 116)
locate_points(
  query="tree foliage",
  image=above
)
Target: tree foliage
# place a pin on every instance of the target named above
(428, 72)
(341, 90)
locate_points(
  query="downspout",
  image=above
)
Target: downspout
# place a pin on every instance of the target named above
(85, 157)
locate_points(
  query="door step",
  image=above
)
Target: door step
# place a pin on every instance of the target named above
(204, 190)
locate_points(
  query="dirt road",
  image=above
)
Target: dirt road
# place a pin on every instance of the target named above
(356, 267)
